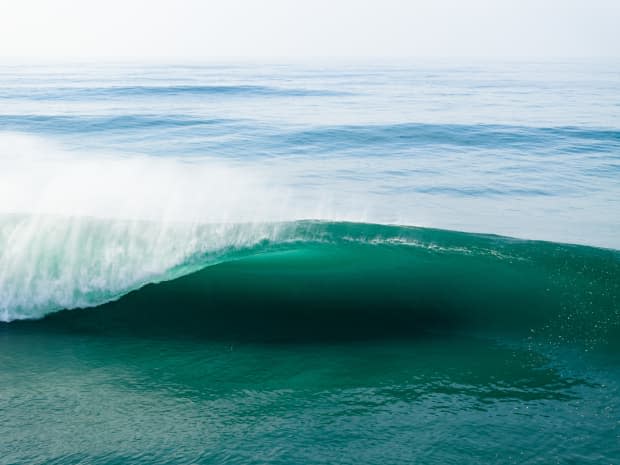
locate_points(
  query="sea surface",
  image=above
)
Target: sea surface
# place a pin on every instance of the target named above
(319, 263)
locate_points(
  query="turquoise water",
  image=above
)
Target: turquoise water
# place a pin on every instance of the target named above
(263, 264)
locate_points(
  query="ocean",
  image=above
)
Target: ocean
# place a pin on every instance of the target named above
(319, 263)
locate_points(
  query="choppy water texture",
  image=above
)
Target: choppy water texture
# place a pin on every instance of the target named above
(262, 264)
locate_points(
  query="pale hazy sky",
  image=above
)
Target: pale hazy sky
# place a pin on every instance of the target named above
(220, 29)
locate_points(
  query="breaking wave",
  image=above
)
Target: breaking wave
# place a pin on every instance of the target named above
(312, 279)
(162, 238)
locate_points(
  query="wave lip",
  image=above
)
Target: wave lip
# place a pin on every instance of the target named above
(51, 262)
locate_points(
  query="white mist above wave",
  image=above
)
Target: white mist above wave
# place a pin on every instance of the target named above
(39, 177)
(80, 229)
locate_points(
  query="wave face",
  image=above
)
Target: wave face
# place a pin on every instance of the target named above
(309, 280)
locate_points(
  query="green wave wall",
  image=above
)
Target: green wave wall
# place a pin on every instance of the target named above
(354, 281)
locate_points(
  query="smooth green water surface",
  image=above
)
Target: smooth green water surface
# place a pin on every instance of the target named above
(75, 398)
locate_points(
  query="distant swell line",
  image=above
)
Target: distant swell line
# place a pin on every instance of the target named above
(465, 135)
(343, 137)
(53, 93)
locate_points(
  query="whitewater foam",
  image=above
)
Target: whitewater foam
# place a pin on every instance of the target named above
(49, 263)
